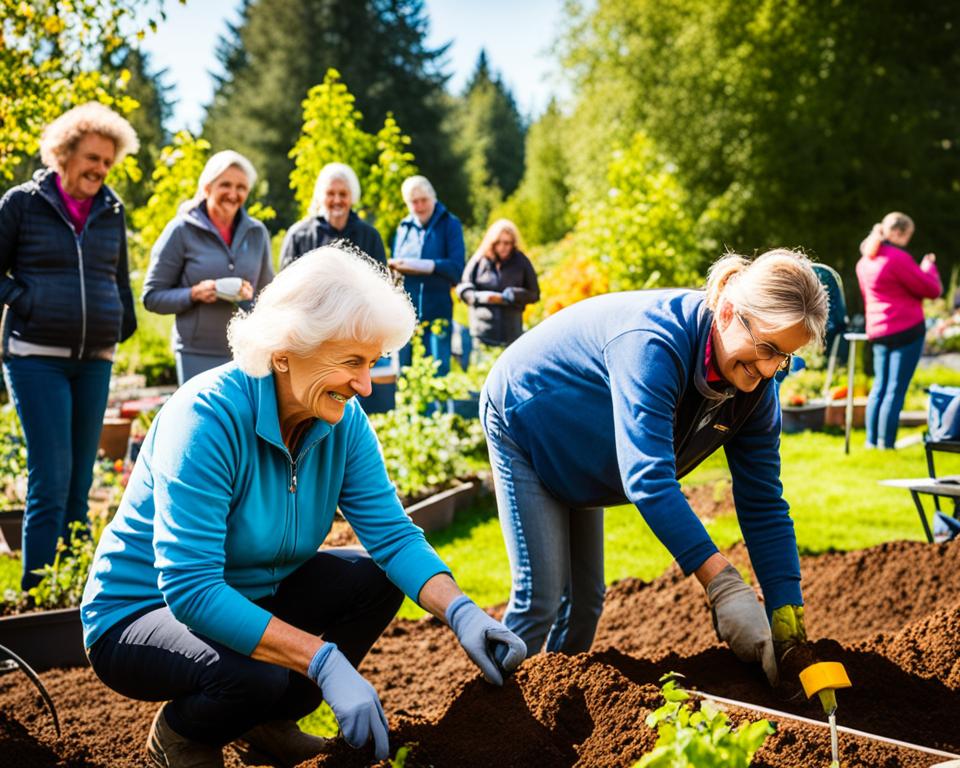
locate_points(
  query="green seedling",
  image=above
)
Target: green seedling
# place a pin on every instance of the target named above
(703, 738)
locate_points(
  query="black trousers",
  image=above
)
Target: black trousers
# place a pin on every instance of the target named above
(215, 693)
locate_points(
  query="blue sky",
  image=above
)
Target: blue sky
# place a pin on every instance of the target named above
(516, 34)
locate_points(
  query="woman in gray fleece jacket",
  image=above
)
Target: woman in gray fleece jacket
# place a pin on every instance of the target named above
(212, 258)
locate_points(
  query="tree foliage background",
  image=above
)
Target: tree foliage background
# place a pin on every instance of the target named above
(282, 48)
(688, 128)
(785, 123)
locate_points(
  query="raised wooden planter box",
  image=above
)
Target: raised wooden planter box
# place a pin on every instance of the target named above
(436, 512)
(837, 413)
(45, 639)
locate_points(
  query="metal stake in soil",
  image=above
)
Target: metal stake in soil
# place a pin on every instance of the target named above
(15, 662)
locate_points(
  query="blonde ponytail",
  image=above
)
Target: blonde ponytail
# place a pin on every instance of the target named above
(779, 289)
(720, 274)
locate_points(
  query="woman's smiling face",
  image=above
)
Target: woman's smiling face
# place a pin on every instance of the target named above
(322, 382)
(746, 353)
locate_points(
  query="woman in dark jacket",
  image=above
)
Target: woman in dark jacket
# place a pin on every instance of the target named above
(331, 217)
(66, 287)
(497, 283)
(212, 258)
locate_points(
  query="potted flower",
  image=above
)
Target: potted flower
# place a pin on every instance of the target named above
(801, 406)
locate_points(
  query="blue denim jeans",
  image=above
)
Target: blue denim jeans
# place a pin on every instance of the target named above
(216, 693)
(60, 403)
(892, 369)
(436, 345)
(555, 551)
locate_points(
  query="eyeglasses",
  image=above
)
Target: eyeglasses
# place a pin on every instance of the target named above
(764, 350)
(504, 242)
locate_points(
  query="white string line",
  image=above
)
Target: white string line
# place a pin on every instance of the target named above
(842, 728)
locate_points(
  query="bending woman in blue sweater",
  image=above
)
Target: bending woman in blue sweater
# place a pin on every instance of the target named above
(208, 589)
(613, 400)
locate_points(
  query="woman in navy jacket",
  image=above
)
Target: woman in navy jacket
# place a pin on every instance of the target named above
(613, 400)
(331, 217)
(428, 251)
(66, 286)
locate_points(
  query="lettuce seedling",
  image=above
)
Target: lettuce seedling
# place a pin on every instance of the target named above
(702, 738)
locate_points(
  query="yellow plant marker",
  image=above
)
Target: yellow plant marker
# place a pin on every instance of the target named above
(823, 679)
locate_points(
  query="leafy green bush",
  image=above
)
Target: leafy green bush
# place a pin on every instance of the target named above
(13, 461)
(425, 449)
(701, 738)
(641, 231)
(62, 581)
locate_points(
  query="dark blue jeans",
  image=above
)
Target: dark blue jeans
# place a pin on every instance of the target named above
(892, 369)
(217, 694)
(60, 403)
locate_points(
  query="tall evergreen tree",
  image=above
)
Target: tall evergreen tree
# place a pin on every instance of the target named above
(541, 206)
(281, 48)
(490, 139)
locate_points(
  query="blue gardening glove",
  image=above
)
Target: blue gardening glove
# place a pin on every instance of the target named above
(508, 296)
(740, 620)
(352, 699)
(480, 635)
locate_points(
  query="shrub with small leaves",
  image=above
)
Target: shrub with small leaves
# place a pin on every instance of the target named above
(13, 461)
(62, 581)
(702, 738)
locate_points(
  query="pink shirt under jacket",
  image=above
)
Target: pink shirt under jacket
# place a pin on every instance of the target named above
(893, 287)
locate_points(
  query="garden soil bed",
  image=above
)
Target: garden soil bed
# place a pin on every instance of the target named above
(891, 614)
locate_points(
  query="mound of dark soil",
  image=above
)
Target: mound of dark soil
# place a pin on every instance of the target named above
(891, 614)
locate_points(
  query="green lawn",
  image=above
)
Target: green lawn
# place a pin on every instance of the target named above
(835, 499)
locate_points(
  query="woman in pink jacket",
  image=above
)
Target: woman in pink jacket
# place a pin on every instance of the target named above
(893, 288)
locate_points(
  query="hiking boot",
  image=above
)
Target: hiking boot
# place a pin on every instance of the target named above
(168, 749)
(280, 743)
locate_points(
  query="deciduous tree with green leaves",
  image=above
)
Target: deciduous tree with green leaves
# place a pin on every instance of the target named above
(540, 207)
(332, 132)
(46, 50)
(794, 124)
(281, 48)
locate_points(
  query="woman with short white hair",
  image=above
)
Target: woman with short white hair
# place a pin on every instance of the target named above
(210, 260)
(612, 401)
(428, 251)
(331, 217)
(208, 589)
(64, 280)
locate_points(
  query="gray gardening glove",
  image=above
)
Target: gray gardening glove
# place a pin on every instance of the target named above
(740, 620)
(484, 639)
(352, 699)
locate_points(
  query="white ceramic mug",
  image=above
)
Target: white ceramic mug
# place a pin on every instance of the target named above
(229, 287)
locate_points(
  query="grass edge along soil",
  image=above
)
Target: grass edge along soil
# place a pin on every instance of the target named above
(891, 614)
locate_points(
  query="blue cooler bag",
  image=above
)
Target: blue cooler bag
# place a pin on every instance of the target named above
(943, 413)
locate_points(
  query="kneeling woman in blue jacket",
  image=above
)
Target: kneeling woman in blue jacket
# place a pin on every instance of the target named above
(208, 589)
(616, 398)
